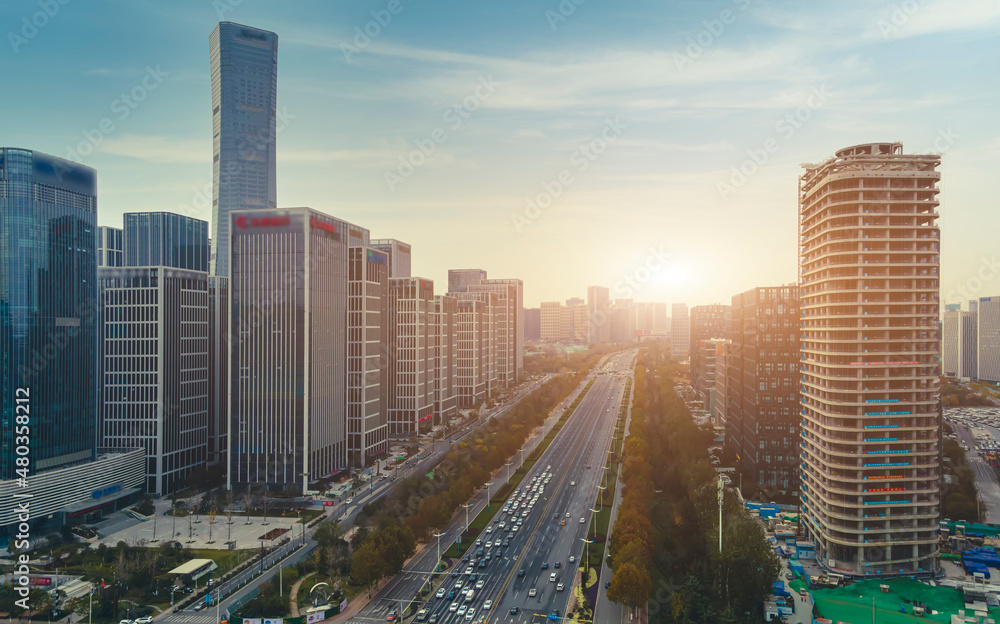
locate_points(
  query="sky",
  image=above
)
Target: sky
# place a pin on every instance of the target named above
(651, 147)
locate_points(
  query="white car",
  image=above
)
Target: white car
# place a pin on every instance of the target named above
(471, 613)
(572, 482)
(480, 584)
(489, 529)
(572, 558)
(532, 592)
(453, 607)
(567, 514)
(440, 593)
(582, 520)
(462, 609)
(458, 583)
(146, 619)
(560, 587)
(489, 544)
(487, 605)
(552, 577)
(514, 530)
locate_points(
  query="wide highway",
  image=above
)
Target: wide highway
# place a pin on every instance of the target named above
(549, 534)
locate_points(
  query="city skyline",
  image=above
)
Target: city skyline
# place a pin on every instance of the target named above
(681, 95)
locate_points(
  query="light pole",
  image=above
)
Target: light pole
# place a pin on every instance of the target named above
(488, 495)
(721, 491)
(437, 566)
(593, 511)
(586, 566)
(508, 464)
(467, 505)
(601, 488)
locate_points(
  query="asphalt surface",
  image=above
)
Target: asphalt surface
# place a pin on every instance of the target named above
(541, 539)
(986, 478)
(234, 589)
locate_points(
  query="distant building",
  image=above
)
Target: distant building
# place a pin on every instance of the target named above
(988, 329)
(446, 327)
(367, 356)
(110, 247)
(411, 355)
(620, 333)
(398, 253)
(218, 369)
(556, 322)
(599, 312)
(580, 322)
(166, 239)
(707, 322)
(680, 331)
(532, 324)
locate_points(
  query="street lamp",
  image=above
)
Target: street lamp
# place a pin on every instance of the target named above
(488, 495)
(601, 495)
(437, 566)
(586, 566)
(466, 506)
(508, 464)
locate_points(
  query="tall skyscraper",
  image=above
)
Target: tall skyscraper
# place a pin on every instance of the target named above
(762, 410)
(532, 324)
(680, 331)
(159, 401)
(411, 355)
(244, 65)
(556, 323)
(49, 323)
(166, 239)
(869, 276)
(218, 369)
(288, 345)
(367, 356)
(398, 253)
(445, 358)
(509, 331)
(599, 311)
(988, 315)
(48, 277)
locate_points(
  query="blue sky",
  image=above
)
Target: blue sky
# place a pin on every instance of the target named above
(569, 144)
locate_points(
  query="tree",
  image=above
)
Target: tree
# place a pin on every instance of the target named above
(630, 586)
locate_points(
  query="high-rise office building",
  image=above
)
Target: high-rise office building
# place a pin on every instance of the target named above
(507, 317)
(166, 239)
(719, 390)
(988, 332)
(680, 331)
(599, 311)
(556, 322)
(110, 247)
(411, 355)
(49, 329)
(707, 322)
(707, 356)
(532, 324)
(158, 401)
(473, 345)
(367, 356)
(579, 321)
(762, 410)
(620, 331)
(244, 65)
(869, 277)
(288, 345)
(445, 358)
(398, 253)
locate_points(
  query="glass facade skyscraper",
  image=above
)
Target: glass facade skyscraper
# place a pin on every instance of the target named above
(166, 239)
(48, 306)
(244, 62)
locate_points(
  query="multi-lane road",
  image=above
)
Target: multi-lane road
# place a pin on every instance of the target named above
(549, 534)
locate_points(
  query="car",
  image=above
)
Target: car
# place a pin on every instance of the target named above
(440, 593)
(514, 530)
(562, 523)
(520, 573)
(454, 607)
(482, 564)
(532, 592)
(554, 615)
(607, 584)
(514, 610)
(568, 515)
(552, 577)
(465, 559)
(471, 613)
(468, 570)
(487, 605)
(350, 500)
(572, 482)
(434, 619)
(146, 619)
(572, 558)
(489, 529)
(545, 565)
(473, 577)
(458, 584)
(506, 542)
(199, 606)
(125, 622)
(560, 587)
(451, 595)
(489, 545)
(422, 615)
(479, 542)
(480, 584)
(557, 565)
(462, 609)
(582, 521)
(790, 576)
